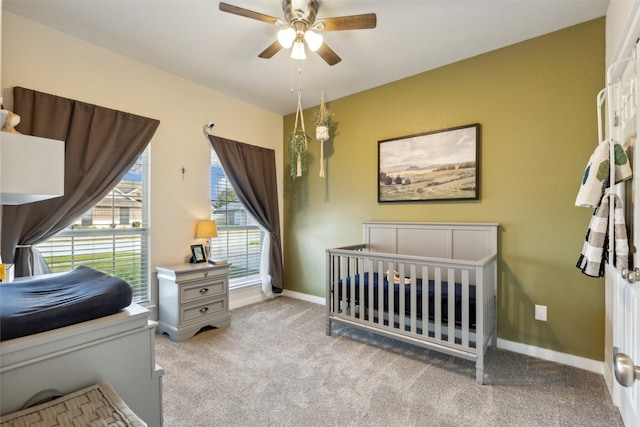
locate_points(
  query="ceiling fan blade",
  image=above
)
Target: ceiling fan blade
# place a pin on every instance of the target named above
(229, 8)
(353, 22)
(271, 50)
(329, 56)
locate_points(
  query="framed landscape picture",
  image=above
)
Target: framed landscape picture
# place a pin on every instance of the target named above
(439, 165)
(197, 252)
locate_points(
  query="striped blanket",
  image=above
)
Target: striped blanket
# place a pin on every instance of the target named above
(595, 249)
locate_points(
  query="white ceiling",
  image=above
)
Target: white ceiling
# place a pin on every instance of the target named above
(195, 40)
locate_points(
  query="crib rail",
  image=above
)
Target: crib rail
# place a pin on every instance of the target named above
(447, 305)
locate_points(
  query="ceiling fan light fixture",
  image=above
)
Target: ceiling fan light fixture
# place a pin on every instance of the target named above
(286, 37)
(314, 40)
(299, 18)
(297, 52)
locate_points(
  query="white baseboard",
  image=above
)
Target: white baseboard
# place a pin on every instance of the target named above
(304, 297)
(245, 296)
(253, 295)
(553, 356)
(529, 350)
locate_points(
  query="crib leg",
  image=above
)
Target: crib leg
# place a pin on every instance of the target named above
(479, 375)
(329, 327)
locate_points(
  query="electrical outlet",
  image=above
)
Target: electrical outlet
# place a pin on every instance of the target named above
(541, 312)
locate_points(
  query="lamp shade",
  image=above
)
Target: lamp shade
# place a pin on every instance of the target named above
(206, 229)
(286, 37)
(314, 40)
(298, 50)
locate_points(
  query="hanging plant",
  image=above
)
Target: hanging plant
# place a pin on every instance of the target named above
(298, 144)
(322, 117)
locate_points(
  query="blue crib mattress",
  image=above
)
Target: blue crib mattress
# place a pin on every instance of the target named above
(50, 302)
(444, 298)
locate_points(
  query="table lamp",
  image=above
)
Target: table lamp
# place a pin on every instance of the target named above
(206, 229)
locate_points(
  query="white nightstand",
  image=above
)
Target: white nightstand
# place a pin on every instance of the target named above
(191, 297)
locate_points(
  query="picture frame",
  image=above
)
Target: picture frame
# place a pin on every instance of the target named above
(197, 254)
(431, 166)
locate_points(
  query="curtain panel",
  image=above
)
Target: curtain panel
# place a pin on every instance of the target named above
(101, 145)
(251, 172)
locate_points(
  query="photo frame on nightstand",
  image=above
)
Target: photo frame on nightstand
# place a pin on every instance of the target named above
(197, 252)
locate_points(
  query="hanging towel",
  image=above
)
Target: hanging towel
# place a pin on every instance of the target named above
(595, 249)
(596, 174)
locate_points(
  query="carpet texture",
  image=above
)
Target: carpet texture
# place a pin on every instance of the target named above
(275, 366)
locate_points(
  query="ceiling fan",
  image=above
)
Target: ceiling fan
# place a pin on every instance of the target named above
(299, 26)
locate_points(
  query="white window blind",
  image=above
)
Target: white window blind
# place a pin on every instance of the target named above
(112, 237)
(239, 238)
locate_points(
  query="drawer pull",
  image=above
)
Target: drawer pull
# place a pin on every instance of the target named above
(206, 274)
(204, 310)
(204, 291)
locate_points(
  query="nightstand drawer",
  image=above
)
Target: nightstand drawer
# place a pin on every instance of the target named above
(198, 312)
(185, 278)
(202, 289)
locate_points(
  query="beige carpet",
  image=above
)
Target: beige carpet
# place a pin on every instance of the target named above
(275, 366)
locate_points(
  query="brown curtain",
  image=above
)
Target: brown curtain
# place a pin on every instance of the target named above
(251, 171)
(101, 145)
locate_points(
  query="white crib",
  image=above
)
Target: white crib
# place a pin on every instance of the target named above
(454, 312)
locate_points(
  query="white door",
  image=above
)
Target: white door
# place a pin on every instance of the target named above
(624, 295)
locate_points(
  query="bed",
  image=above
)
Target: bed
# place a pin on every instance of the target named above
(429, 284)
(91, 348)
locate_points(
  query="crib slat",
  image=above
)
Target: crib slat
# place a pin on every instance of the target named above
(360, 272)
(451, 303)
(465, 308)
(401, 297)
(353, 271)
(370, 289)
(437, 306)
(342, 305)
(390, 295)
(343, 285)
(336, 283)
(381, 293)
(413, 310)
(425, 301)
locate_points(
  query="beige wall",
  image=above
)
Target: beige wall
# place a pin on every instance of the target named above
(37, 57)
(535, 102)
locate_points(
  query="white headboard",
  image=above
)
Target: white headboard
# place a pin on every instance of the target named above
(460, 241)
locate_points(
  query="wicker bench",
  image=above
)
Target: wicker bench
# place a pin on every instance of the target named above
(97, 405)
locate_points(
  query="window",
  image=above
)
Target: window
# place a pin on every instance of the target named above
(112, 236)
(239, 238)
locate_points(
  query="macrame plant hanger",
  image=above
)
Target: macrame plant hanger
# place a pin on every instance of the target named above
(298, 143)
(322, 130)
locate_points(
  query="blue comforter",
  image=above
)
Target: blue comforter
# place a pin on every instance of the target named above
(49, 302)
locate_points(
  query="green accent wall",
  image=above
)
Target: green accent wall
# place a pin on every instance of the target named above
(536, 104)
